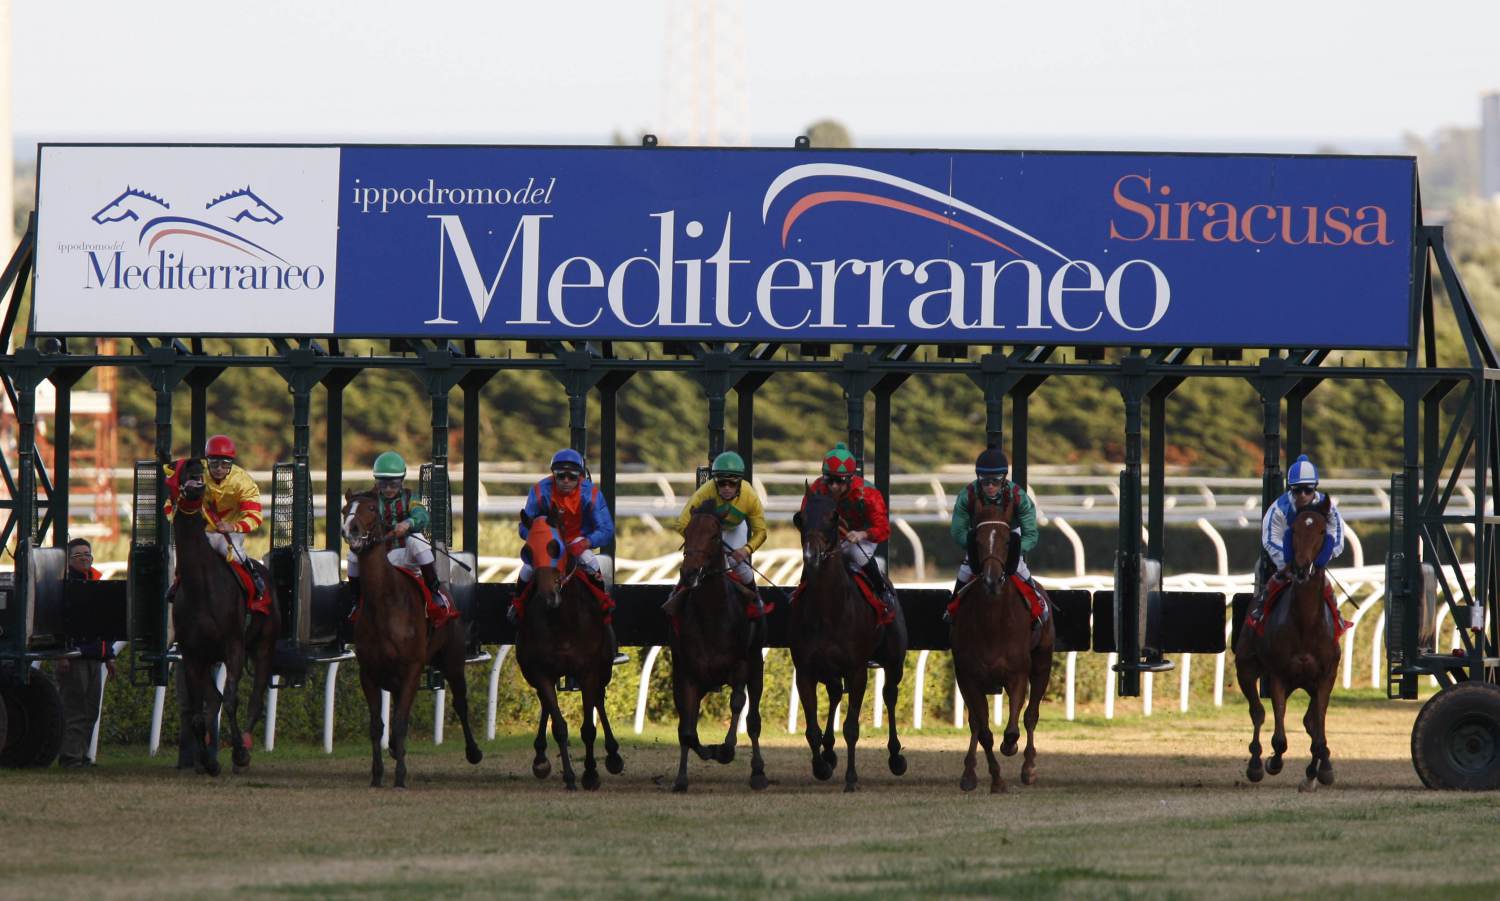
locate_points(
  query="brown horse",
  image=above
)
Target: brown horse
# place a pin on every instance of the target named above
(394, 642)
(996, 647)
(1297, 649)
(834, 633)
(714, 643)
(209, 617)
(561, 634)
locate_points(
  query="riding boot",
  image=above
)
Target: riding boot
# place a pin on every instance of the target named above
(879, 585)
(958, 585)
(256, 578)
(617, 656)
(429, 575)
(346, 625)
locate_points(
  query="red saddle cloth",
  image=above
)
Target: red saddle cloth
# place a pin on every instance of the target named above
(1029, 594)
(437, 614)
(606, 603)
(883, 616)
(1260, 614)
(255, 603)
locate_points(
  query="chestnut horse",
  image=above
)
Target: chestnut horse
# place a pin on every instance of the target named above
(995, 647)
(561, 633)
(1296, 649)
(209, 617)
(714, 643)
(393, 641)
(834, 633)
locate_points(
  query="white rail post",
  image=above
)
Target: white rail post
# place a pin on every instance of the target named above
(1109, 684)
(271, 693)
(918, 554)
(958, 706)
(645, 687)
(330, 690)
(1069, 686)
(1375, 654)
(1185, 686)
(1146, 690)
(494, 698)
(791, 707)
(876, 713)
(385, 720)
(439, 707)
(157, 703)
(916, 701)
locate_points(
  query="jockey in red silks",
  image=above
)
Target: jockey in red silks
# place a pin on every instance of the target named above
(862, 513)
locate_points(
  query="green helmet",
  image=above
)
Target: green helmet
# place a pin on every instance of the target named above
(389, 465)
(728, 463)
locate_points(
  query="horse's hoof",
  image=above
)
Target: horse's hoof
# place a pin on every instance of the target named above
(473, 754)
(241, 758)
(241, 770)
(898, 765)
(375, 783)
(679, 787)
(1273, 766)
(851, 787)
(615, 764)
(541, 769)
(998, 788)
(1010, 746)
(830, 757)
(1308, 785)
(570, 785)
(212, 768)
(969, 782)
(758, 781)
(822, 771)
(1255, 772)
(1325, 775)
(1028, 776)
(591, 781)
(725, 754)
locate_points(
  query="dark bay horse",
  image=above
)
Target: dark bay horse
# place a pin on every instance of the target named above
(834, 633)
(714, 643)
(561, 633)
(393, 641)
(209, 618)
(995, 647)
(1296, 648)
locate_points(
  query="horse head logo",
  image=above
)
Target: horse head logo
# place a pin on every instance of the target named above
(127, 205)
(242, 203)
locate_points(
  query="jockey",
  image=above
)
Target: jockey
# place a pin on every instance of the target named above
(575, 508)
(1302, 491)
(231, 505)
(743, 517)
(861, 510)
(405, 520)
(992, 482)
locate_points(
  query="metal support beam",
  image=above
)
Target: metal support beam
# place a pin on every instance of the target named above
(334, 384)
(472, 383)
(60, 503)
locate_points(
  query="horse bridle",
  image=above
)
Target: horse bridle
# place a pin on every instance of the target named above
(992, 555)
(377, 534)
(1300, 575)
(707, 569)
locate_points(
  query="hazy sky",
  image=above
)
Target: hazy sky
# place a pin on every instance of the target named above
(997, 72)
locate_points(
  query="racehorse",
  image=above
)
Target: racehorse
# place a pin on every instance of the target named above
(995, 646)
(209, 618)
(714, 643)
(561, 633)
(1293, 645)
(834, 632)
(393, 640)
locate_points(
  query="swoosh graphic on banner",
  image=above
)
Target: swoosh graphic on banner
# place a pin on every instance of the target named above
(813, 170)
(823, 197)
(187, 231)
(197, 223)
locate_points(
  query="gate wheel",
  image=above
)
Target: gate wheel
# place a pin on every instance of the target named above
(35, 727)
(1455, 742)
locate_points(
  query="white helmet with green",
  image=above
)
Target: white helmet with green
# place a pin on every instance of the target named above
(389, 465)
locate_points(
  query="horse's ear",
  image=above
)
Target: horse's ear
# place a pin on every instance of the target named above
(1325, 504)
(706, 507)
(797, 520)
(348, 495)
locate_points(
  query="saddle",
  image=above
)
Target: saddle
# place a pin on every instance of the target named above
(884, 615)
(593, 583)
(1265, 607)
(438, 614)
(255, 602)
(1034, 596)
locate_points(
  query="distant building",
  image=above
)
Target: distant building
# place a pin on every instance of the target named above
(1489, 144)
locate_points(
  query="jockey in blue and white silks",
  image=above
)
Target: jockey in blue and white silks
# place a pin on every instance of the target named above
(1302, 491)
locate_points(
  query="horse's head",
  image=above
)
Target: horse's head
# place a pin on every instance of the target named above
(992, 540)
(190, 485)
(362, 525)
(818, 522)
(243, 203)
(543, 551)
(128, 205)
(1309, 527)
(702, 544)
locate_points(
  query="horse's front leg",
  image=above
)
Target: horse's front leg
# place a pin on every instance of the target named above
(1015, 696)
(857, 680)
(736, 707)
(546, 691)
(613, 762)
(891, 694)
(1247, 673)
(401, 719)
(453, 672)
(685, 693)
(753, 686)
(234, 665)
(807, 690)
(1278, 735)
(377, 724)
(835, 696)
(260, 644)
(1041, 674)
(541, 767)
(593, 698)
(1320, 768)
(199, 679)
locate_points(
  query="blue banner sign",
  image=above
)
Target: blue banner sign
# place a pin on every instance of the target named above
(737, 245)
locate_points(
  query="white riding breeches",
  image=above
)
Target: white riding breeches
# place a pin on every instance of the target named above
(222, 542)
(965, 573)
(857, 554)
(736, 538)
(587, 559)
(415, 553)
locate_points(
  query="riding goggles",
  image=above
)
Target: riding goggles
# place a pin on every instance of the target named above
(836, 480)
(728, 481)
(1305, 489)
(567, 474)
(987, 481)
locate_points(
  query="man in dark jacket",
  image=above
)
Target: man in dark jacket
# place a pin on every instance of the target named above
(79, 679)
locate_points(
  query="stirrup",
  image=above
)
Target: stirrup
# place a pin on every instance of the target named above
(620, 657)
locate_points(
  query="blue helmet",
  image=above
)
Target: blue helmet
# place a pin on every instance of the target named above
(567, 458)
(1303, 472)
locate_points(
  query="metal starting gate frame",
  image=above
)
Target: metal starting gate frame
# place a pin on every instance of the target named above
(1445, 443)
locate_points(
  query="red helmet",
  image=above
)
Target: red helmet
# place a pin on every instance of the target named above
(220, 446)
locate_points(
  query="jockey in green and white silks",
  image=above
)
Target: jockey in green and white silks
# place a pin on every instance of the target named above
(992, 482)
(405, 521)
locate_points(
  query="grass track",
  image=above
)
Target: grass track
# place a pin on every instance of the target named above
(1136, 807)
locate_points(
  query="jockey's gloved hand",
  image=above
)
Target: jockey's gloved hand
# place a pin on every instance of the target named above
(1326, 553)
(578, 546)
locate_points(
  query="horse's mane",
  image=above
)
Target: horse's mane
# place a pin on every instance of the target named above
(708, 507)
